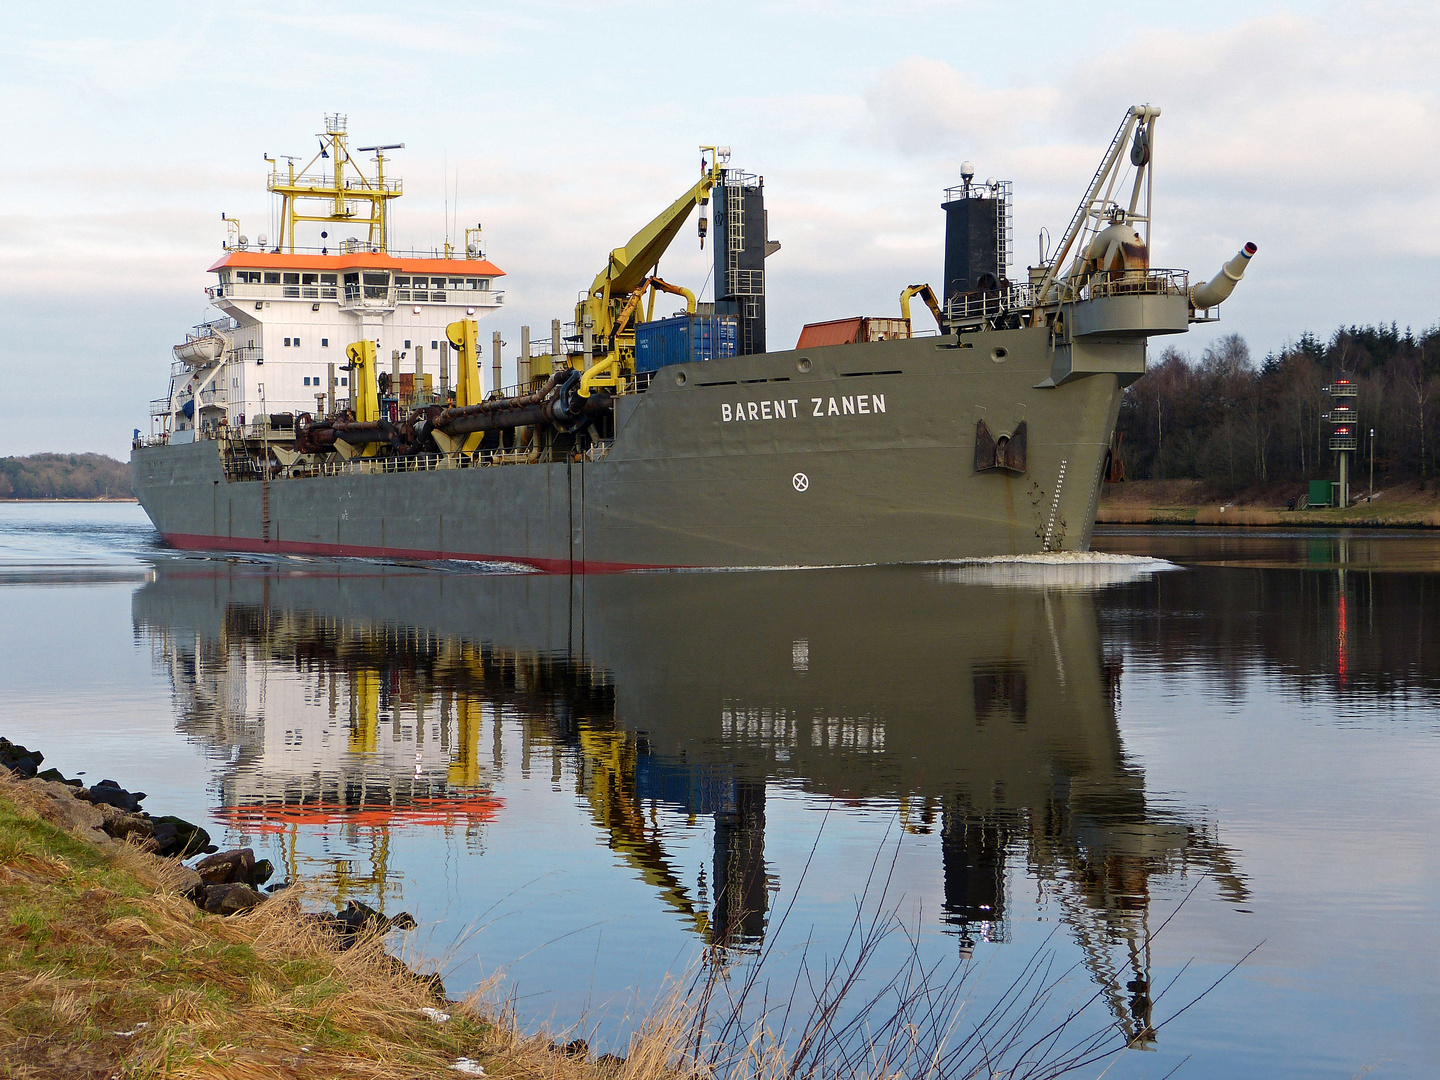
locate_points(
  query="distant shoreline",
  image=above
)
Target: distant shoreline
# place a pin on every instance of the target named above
(99, 499)
(1157, 502)
(1237, 517)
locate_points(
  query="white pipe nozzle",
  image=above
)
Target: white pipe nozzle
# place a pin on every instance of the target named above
(1219, 288)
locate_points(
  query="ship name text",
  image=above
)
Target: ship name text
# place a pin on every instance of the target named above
(794, 408)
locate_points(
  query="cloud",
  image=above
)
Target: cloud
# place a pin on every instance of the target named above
(923, 104)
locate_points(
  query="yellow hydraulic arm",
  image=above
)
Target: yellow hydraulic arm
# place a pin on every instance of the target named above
(614, 292)
(928, 295)
(366, 394)
(361, 355)
(654, 285)
(464, 337)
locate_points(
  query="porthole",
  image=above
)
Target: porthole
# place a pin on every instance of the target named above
(679, 378)
(803, 365)
(999, 353)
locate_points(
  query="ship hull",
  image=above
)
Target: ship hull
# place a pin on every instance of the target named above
(855, 454)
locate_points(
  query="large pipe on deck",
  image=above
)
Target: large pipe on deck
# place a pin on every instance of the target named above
(449, 416)
(554, 411)
(552, 404)
(1219, 288)
(555, 403)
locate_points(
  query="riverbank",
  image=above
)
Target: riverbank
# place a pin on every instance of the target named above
(1187, 502)
(97, 499)
(108, 967)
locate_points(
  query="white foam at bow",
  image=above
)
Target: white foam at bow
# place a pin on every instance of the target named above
(1056, 570)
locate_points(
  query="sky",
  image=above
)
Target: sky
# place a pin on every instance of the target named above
(1312, 130)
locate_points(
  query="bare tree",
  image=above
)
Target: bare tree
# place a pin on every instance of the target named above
(1419, 387)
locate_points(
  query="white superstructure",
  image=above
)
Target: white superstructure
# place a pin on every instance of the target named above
(288, 312)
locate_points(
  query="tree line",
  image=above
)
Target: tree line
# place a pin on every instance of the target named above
(64, 476)
(1238, 425)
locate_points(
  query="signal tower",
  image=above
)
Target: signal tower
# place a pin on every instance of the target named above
(1343, 438)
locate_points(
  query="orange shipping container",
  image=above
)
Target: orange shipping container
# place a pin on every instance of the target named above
(850, 331)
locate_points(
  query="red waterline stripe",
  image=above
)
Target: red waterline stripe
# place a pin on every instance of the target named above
(195, 542)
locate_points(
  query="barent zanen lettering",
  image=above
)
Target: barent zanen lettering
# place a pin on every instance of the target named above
(789, 408)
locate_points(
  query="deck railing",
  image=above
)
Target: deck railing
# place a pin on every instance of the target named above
(1138, 282)
(356, 295)
(430, 462)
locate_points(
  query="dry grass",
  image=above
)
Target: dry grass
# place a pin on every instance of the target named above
(1144, 515)
(93, 944)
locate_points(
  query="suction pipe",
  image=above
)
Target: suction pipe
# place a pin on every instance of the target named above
(1219, 288)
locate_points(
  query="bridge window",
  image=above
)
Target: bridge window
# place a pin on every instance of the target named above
(291, 279)
(327, 279)
(272, 277)
(309, 279)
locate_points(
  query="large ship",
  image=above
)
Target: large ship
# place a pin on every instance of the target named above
(633, 442)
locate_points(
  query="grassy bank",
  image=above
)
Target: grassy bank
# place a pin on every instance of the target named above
(107, 970)
(1189, 502)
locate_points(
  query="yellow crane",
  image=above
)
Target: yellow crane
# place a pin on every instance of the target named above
(469, 390)
(363, 371)
(604, 316)
(928, 295)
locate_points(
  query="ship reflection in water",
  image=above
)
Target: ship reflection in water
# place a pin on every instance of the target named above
(976, 706)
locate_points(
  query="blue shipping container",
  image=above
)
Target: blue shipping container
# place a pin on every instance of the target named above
(683, 339)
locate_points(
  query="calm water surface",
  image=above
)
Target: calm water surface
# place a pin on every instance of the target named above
(1146, 767)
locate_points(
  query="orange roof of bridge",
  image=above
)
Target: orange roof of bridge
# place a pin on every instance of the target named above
(360, 260)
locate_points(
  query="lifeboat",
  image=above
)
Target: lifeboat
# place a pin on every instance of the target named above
(200, 351)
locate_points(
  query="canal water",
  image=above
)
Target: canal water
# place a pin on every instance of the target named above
(1185, 788)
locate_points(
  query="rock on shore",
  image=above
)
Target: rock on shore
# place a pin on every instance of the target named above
(222, 883)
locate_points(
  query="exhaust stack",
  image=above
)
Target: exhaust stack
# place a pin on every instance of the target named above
(1219, 288)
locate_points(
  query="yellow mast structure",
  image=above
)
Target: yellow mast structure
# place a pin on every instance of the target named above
(343, 193)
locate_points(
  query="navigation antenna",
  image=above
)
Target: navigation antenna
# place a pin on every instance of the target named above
(341, 192)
